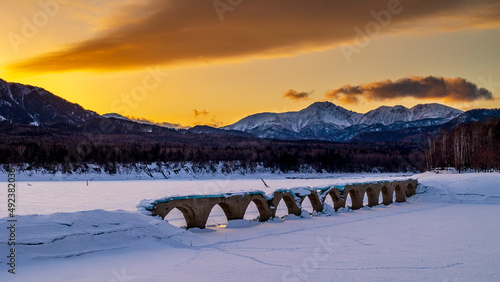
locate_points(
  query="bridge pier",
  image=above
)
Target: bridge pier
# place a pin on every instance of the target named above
(291, 204)
(372, 193)
(400, 194)
(334, 194)
(387, 193)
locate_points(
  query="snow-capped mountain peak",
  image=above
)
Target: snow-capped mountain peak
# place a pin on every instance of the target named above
(319, 112)
(325, 120)
(389, 115)
(434, 110)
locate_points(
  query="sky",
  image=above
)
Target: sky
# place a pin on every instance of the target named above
(216, 61)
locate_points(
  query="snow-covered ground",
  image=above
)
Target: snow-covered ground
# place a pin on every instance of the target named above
(447, 232)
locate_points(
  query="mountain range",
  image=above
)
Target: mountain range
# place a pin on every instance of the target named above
(24, 104)
(327, 121)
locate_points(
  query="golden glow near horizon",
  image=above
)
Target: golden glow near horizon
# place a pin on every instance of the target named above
(215, 62)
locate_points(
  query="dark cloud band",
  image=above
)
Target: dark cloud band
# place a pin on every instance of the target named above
(174, 32)
(430, 87)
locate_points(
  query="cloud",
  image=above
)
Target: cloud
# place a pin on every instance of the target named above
(173, 32)
(430, 87)
(212, 123)
(199, 113)
(294, 95)
(163, 124)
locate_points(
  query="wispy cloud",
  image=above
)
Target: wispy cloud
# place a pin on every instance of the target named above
(296, 96)
(175, 32)
(430, 87)
(198, 113)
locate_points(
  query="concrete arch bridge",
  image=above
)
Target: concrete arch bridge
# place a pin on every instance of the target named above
(196, 209)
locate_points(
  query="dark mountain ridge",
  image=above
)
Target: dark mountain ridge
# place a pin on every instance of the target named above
(25, 104)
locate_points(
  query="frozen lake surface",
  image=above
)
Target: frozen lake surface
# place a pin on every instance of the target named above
(45, 197)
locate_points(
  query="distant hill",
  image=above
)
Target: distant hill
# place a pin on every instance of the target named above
(419, 134)
(204, 129)
(115, 115)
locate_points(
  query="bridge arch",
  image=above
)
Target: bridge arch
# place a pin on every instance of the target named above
(251, 211)
(262, 206)
(213, 217)
(327, 200)
(188, 213)
(228, 211)
(316, 203)
(305, 205)
(176, 218)
(280, 209)
(338, 202)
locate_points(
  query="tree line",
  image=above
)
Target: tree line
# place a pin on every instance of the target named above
(50, 148)
(473, 146)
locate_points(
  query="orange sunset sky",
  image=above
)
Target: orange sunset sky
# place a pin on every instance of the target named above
(214, 62)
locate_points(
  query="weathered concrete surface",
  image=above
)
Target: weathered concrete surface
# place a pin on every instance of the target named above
(197, 209)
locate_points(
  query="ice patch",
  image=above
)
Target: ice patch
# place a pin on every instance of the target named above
(305, 214)
(327, 209)
(241, 223)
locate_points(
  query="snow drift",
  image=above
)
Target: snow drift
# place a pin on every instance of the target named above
(62, 235)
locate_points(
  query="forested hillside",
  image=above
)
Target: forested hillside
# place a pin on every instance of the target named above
(473, 145)
(52, 147)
